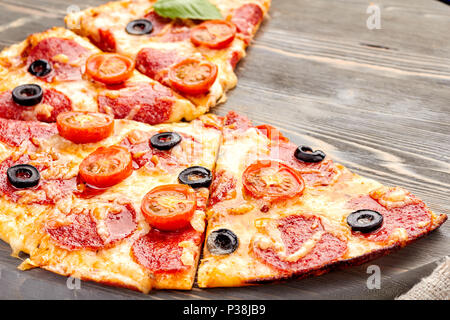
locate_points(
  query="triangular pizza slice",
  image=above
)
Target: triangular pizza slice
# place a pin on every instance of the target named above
(56, 71)
(196, 58)
(278, 210)
(113, 201)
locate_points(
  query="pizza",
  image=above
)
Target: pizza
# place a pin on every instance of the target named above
(195, 58)
(56, 71)
(101, 180)
(124, 205)
(278, 210)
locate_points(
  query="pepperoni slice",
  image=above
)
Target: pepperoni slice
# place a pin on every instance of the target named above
(158, 22)
(107, 40)
(152, 62)
(160, 252)
(415, 218)
(148, 103)
(55, 102)
(121, 224)
(235, 57)
(295, 231)
(177, 32)
(82, 232)
(66, 56)
(235, 121)
(14, 132)
(223, 187)
(49, 191)
(247, 18)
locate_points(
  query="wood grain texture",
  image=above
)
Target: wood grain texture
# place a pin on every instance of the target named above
(378, 101)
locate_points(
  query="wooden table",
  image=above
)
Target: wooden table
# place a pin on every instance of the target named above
(378, 101)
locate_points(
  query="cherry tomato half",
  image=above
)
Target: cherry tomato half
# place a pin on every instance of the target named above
(193, 76)
(272, 180)
(213, 34)
(84, 127)
(169, 207)
(272, 133)
(106, 166)
(109, 68)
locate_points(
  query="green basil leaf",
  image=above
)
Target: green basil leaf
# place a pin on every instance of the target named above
(187, 9)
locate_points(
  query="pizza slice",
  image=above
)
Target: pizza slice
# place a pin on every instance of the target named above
(278, 211)
(195, 58)
(56, 71)
(124, 205)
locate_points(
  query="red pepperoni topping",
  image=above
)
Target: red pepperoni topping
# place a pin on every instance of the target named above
(66, 56)
(14, 133)
(157, 21)
(152, 62)
(159, 251)
(148, 103)
(82, 232)
(222, 187)
(235, 121)
(57, 100)
(295, 230)
(107, 42)
(234, 59)
(49, 191)
(176, 32)
(314, 174)
(415, 218)
(247, 17)
(121, 224)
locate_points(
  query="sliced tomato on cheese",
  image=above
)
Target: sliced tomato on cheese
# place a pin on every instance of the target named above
(272, 180)
(169, 207)
(213, 34)
(106, 167)
(109, 68)
(84, 127)
(193, 76)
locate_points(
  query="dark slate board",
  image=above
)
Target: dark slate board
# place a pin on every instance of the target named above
(376, 100)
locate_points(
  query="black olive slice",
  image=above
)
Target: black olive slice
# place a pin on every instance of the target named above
(364, 220)
(222, 242)
(165, 140)
(23, 176)
(306, 154)
(40, 68)
(139, 27)
(28, 95)
(196, 177)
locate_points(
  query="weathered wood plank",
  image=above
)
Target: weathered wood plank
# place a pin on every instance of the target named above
(376, 100)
